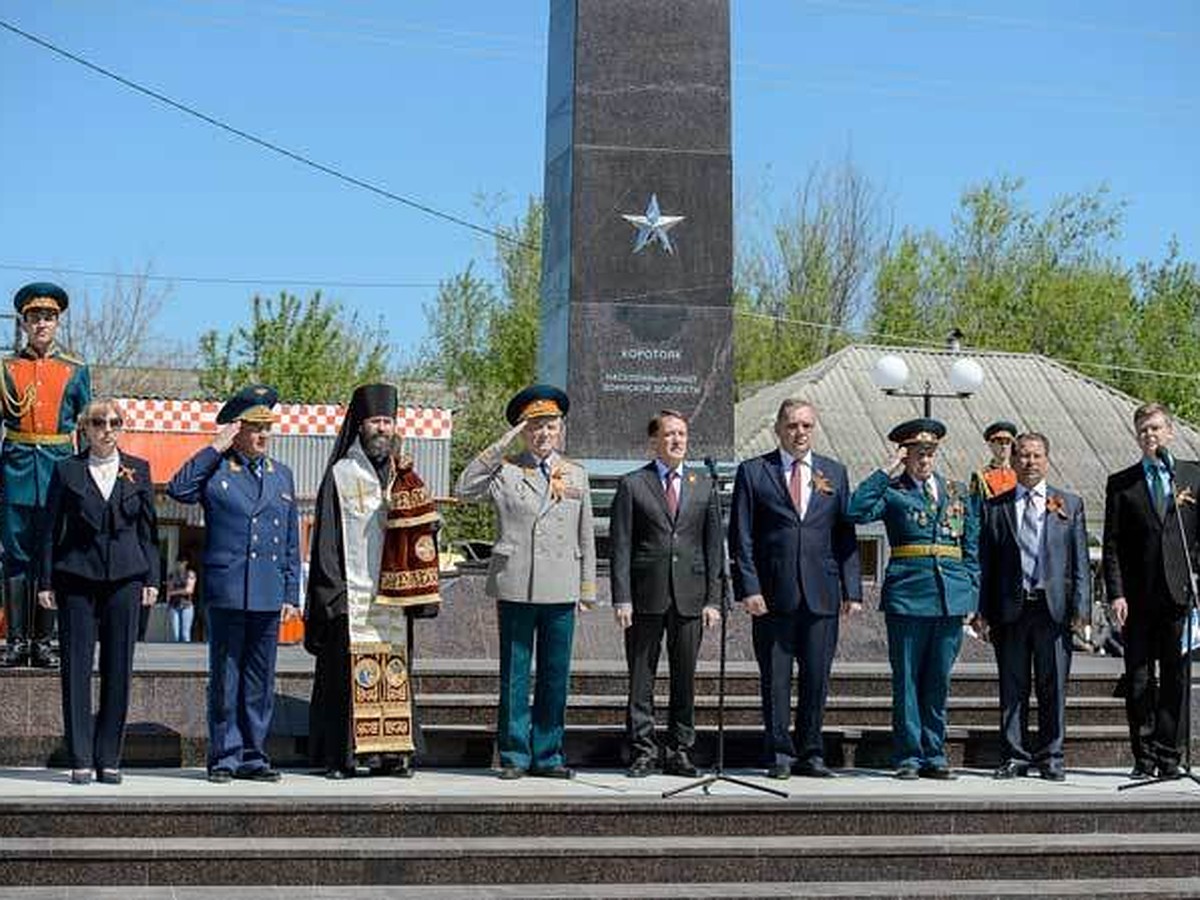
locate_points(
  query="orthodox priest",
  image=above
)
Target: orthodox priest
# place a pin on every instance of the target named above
(373, 565)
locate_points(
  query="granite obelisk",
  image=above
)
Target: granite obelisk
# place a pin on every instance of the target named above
(637, 249)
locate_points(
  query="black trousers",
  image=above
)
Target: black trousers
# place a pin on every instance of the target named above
(781, 642)
(643, 643)
(89, 610)
(1034, 641)
(1152, 641)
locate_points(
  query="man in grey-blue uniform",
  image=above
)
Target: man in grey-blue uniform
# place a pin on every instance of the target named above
(251, 576)
(931, 585)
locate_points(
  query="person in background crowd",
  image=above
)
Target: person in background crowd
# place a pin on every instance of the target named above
(99, 565)
(998, 475)
(181, 600)
(43, 391)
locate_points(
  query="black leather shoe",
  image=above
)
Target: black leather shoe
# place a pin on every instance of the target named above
(43, 656)
(109, 776)
(553, 772)
(15, 655)
(641, 767)
(220, 776)
(679, 764)
(267, 774)
(937, 773)
(907, 773)
(1168, 770)
(511, 773)
(81, 776)
(1141, 771)
(1011, 769)
(404, 769)
(813, 768)
(1052, 773)
(779, 771)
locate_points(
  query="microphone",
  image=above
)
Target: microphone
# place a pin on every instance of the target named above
(1168, 461)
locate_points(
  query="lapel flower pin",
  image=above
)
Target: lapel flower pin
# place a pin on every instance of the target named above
(1054, 504)
(1185, 496)
(126, 472)
(821, 483)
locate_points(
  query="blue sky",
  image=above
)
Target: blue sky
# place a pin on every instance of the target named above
(444, 102)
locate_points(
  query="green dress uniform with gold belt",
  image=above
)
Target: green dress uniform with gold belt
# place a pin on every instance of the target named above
(931, 584)
(43, 397)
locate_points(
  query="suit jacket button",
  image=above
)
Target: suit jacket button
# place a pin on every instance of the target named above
(253, 555)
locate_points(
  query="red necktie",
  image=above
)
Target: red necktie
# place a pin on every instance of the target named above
(672, 493)
(794, 484)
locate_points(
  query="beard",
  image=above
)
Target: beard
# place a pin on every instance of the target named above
(378, 447)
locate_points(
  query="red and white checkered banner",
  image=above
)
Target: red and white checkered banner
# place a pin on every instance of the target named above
(200, 416)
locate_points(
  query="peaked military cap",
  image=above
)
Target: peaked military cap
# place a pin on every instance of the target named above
(536, 401)
(40, 295)
(252, 403)
(918, 431)
(998, 427)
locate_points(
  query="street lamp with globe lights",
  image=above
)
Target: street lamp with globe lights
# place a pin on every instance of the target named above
(890, 374)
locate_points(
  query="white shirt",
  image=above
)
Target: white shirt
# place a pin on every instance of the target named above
(104, 472)
(788, 461)
(663, 469)
(1038, 493)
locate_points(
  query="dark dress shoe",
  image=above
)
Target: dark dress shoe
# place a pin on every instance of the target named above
(813, 768)
(937, 773)
(682, 766)
(43, 656)
(404, 769)
(779, 771)
(511, 773)
(1168, 770)
(81, 776)
(333, 773)
(265, 774)
(220, 776)
(1011, 769)
(553, 772)
(109, 776)
(1052, 773)
(907, 773)
(641, 767)
(1141, 771)
(15, 655)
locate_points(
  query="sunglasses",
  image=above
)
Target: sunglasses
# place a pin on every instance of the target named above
(99, 422)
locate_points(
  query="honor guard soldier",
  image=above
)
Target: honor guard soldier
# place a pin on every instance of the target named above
(931, 584)
(251, 576)
(543, 566)
(45, 390)
(998, 476)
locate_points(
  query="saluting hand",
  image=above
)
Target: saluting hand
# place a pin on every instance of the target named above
(225, 435)
(895, 465)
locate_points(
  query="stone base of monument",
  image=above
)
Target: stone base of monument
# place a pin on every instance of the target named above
(461, 834)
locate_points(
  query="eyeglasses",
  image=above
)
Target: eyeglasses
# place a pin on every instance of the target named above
(98, 422)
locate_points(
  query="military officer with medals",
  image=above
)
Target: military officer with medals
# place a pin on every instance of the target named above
(543, 567)
(45, 390)
(930, 586)
(998, 476)
(251, 576)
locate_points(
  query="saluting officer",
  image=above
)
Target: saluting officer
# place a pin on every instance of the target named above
(931, 584)
(45, 391)
(251, 575)
(543, 564)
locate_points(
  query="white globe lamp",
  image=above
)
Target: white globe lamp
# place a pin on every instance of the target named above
(966, 376)
(890, 373)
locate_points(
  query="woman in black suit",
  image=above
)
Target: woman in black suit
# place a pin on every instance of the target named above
(99, 566)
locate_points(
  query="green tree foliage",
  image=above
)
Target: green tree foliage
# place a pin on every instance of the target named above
(311, 351)
(812, 266)
(1168, 303)
(482, 344)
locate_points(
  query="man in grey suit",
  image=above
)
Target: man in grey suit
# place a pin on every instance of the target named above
(665, 539)
(543, 565)
(1035, 587)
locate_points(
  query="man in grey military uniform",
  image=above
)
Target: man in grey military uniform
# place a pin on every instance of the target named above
(543, 566)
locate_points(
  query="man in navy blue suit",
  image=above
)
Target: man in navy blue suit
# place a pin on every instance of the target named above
(251, 576)
(794, 558)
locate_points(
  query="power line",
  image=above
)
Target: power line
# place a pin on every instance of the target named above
(262, 142)
(204, 279)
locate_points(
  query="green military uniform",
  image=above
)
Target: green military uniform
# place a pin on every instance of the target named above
(931, 583)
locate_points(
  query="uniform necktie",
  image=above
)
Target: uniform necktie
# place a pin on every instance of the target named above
(1030, 540)
(927, 490)
(672, 493)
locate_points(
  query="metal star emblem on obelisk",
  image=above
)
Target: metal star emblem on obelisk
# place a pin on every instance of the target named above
(652, 226)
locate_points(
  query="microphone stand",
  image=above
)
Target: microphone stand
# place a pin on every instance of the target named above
(1185, 770)
(718, 773)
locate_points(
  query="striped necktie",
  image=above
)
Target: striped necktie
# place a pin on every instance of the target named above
(1029, 538)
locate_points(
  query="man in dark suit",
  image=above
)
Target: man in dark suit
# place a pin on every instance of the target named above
(251, 576)
(795, 565)
(1035, 586)
(1145, 577)
(665, 538)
